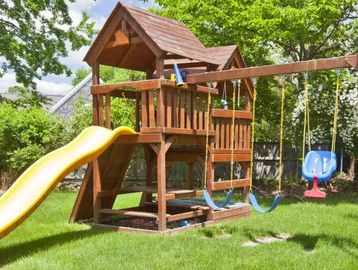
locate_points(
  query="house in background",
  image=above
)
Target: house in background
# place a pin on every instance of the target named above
(53, 99)
(64, 107)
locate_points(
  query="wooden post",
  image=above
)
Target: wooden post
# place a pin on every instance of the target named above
(161, 183)
(161, 109)
(137, 112)
(159, 67)
(96, 189)
(108, 111)
(100, 110)
(95, 81)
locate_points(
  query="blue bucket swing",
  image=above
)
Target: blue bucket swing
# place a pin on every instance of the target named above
(319, 166)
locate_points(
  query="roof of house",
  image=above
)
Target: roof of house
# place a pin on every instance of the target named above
(149, 36)
(70, 94)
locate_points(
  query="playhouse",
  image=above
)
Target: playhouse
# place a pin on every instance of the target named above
(170, 121)
(205, 120)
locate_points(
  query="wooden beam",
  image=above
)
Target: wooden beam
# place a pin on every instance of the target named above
(350, 61)
(238, 183)
(137, 85)
(187, 65)
(221, 113)
(161, 184)
(128, 212)
(95, 81)
(138, 139)
(186, 215)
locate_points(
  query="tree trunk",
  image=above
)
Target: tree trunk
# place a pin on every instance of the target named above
(351, 169)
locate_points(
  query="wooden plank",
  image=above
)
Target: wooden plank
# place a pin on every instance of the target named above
(96, 189)
(161, 184)
(138, 139)
(137, 112)
(151, 111)
(159, 67)
(237, 136)
(175, 109)
(169, 107)
(228, 151)
(95, 81)
(100, 110)
(217, 132)
(270, 70)
(227, 184)
(227, 133)
(189, 116)
(190, 87)
(145, 109)
(222, 134)
(245, 136)
(186, 215)
(182, 109)
(144, 85)
(183, 131)
(241, 135)
(227, 213)
(108, 111)
(128, 213)
(220, 113)
(195, 111)
(227, 157)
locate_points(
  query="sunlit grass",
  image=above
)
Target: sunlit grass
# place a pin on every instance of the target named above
(323, 236)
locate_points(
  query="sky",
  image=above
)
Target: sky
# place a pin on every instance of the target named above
(99, 11)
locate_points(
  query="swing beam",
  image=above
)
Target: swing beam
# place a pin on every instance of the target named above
(350, 61)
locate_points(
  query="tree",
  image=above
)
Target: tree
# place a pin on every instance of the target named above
(348, 119)
(35, 34)
(288, 30)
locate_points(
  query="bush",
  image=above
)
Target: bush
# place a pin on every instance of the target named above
(26, 134)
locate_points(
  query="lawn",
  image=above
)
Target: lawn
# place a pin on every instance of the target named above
(323, 236)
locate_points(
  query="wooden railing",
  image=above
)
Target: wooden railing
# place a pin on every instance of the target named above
(222, 124)
(175, 110)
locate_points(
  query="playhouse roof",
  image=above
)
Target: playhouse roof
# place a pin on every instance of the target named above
(132, 38)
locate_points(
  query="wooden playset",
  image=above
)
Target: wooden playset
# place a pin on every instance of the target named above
(173, 123)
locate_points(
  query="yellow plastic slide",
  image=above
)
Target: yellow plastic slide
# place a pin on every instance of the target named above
(33, 186)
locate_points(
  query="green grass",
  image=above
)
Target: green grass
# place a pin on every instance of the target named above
(328, 228)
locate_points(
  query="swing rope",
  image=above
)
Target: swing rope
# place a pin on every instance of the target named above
(306, 120)
(335, 117)
(252, 136)
(280, 167)
(207, 118)
(235, 84)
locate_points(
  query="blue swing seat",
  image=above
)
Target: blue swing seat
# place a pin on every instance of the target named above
(258, 208)
(218, 206)
(320, 164)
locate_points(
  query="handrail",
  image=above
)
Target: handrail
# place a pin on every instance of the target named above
(147, 85)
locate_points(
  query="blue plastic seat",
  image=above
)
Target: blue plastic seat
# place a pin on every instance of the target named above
(321, 164)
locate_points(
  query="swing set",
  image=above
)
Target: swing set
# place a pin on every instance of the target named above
(317, 166)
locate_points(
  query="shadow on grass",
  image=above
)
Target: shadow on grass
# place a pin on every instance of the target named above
(308, 242)
(12, 253)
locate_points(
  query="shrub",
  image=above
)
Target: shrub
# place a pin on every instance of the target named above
(26, 134)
